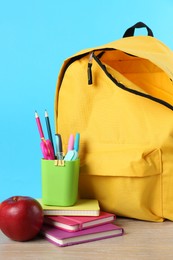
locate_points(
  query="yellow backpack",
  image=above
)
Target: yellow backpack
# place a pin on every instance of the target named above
(119, 96)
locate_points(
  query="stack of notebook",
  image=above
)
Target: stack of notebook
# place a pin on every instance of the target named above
(83, 222)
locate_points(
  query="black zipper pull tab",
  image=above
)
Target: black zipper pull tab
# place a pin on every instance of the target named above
(89, 69)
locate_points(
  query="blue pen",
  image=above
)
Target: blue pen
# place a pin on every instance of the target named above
(76, 142)
(59, 147)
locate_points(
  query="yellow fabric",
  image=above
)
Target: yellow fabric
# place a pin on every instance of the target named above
(126, 146)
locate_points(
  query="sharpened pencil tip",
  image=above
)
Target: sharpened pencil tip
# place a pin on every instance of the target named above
(45, 113)
(36, 114)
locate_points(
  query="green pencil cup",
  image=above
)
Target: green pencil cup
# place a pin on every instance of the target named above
(59, 182)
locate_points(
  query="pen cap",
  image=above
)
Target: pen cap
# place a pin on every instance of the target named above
(71, 155)
(71, 142)
(76, 142)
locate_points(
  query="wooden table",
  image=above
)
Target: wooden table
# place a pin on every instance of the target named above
(142, 240)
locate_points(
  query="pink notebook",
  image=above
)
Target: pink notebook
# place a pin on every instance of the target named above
(75, 223)
(64, 238)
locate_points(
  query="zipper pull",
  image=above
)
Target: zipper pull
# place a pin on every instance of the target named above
(89, 69)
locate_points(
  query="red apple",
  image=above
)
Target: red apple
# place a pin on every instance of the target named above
(21, 218)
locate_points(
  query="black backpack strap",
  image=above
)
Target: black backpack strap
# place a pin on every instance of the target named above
(130, 31)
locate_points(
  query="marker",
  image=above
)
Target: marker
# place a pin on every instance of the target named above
(47, 149)
(59, 146)
(49, 129)
(76, 142)
(71, 143)
(71, 155)
(73, 147)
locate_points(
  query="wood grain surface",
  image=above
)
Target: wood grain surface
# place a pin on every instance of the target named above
(142, 240)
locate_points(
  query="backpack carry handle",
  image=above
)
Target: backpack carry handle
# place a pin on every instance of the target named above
(130, 31)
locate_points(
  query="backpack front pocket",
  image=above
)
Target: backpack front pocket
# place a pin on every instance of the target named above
(132, 184)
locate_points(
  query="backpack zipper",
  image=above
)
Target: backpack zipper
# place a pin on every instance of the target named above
(133, 91)
(89, 69)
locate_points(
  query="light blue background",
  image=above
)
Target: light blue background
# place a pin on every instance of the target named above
(35, 37)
